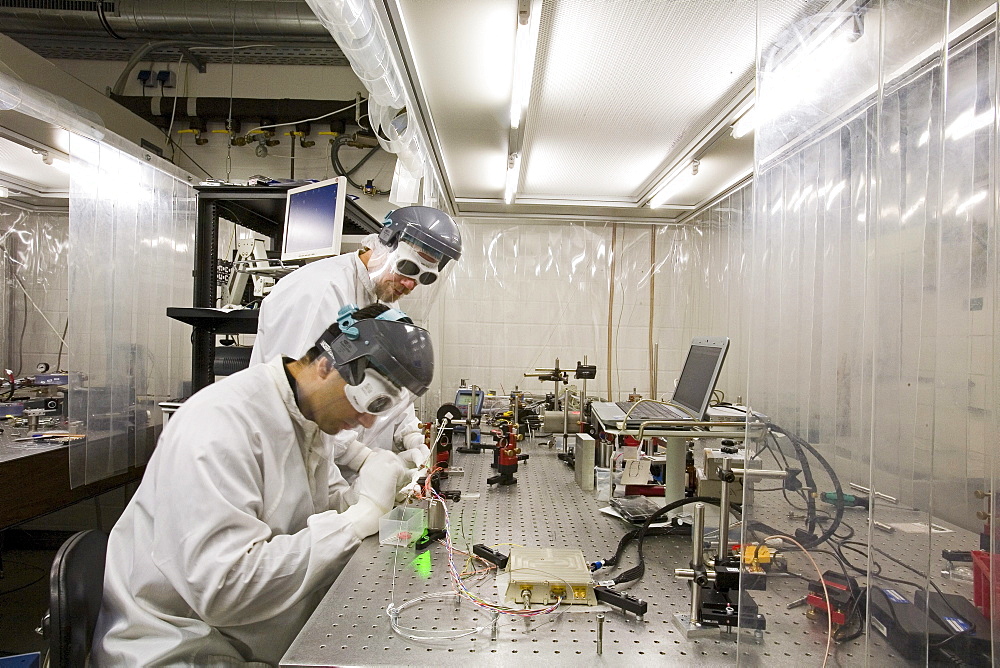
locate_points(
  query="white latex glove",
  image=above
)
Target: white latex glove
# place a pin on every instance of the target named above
(380, 477)
(416, 457)
(364, 516)
(413, 440)
(354, 456)
(408, 484)
(376, 488)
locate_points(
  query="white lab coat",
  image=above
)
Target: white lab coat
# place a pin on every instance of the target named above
(228, 544)
(300, 308)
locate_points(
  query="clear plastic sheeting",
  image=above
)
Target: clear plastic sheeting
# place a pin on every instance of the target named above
(870, 315)
(524, 295)
(132, 223)
(34, 249)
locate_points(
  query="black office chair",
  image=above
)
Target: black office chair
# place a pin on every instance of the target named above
(76, 587)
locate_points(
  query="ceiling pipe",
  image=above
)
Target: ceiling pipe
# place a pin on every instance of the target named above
(158, 110)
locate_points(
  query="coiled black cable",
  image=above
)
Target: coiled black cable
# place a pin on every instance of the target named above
(640, 534)
(800, 444)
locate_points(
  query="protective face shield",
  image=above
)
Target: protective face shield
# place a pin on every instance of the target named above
(414, 248)
(379, 358)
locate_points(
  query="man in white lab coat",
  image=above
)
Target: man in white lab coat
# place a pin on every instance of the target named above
(234, 536)
(413, 248)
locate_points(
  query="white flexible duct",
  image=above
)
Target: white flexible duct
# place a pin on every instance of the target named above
(37, 103)
(353, 25)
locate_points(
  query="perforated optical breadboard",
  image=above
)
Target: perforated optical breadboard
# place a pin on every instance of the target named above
(547, 574)
(546, 507)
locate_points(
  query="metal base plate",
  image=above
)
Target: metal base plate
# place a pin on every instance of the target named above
(691, 629)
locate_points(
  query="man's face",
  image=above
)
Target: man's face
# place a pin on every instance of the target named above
(331, 409)
(392, 284)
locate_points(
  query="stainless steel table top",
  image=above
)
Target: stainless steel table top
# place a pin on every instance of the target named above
(546, 509)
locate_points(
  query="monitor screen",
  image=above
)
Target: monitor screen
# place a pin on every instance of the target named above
(700, 372)
(314, 220)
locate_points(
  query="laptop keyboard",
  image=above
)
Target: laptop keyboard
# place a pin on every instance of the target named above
(653, 411)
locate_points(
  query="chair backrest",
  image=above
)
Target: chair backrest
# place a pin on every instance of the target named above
(76, 587)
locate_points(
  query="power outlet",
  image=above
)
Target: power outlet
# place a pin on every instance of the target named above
(166, 78)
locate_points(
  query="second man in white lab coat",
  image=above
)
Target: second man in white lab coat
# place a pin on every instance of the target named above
(414, 247)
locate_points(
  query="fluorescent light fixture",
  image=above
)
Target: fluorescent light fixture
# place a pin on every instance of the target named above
(674, 183)
(513, 172)
(4, 191)
(745, 124)
(524, 61)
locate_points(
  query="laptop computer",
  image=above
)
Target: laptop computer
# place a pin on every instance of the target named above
(691, 396)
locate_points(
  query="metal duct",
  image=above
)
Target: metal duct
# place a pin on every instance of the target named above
(271, 20)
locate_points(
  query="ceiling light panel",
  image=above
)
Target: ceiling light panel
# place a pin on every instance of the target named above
(463, 55)
(621, 85)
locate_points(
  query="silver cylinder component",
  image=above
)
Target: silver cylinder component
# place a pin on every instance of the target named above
(724, 513)
(691, 574)
(435, 514)
(600, 632)
(565, 414)
(760, 473)
(698, 536)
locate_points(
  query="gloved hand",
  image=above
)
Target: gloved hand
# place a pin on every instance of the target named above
(416, 457)
(353, 457)
(413, 439)
(408, 484)
(376, 487)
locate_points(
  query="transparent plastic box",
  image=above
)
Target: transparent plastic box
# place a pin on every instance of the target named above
(402, 526)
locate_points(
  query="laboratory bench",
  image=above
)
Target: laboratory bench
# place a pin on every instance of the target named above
(546, 508)
(35, 477)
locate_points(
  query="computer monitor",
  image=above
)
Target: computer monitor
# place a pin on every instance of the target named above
(699, 374)
(314, 220)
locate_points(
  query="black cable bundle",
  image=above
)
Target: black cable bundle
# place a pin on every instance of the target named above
(640, 534)
(801, 446)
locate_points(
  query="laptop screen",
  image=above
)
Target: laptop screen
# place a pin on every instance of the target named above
(699, 374)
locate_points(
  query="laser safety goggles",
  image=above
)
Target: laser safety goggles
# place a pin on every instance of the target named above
(417, 265)
(374, 394)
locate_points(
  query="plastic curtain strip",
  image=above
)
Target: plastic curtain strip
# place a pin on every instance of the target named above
(129, 356)
(870, 304)
(525, 294)
(33, 253)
